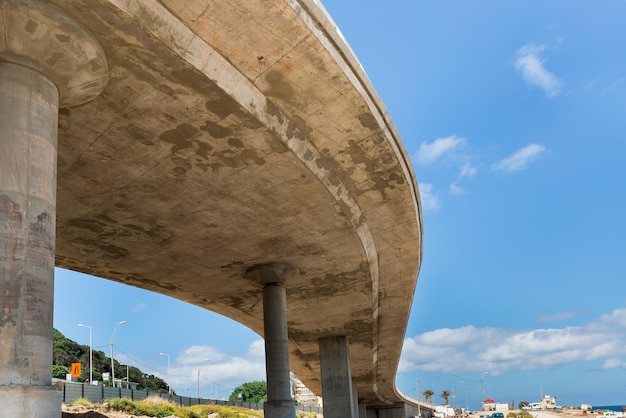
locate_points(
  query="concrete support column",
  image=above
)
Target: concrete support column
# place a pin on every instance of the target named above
(362, 410)
(43, 60)
(279, 403)
(359, 406)
(28, 140)
(337, 390)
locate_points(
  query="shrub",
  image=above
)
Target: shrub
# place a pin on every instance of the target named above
(82, 402)
(155, 406)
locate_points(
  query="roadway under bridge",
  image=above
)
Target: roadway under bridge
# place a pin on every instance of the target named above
(231, 154)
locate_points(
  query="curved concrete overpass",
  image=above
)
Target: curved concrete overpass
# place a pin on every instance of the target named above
(232, 134)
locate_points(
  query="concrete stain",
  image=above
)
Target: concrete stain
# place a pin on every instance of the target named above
(166, 89)
(180, 137)
(235, 142)
(293, 131)
(215, 130)
(280, 88)
(235, 159)
(368, 121)
(250, 157)
(31, 26)
(92, 225)
(301, 125)
(61, 37)
(232, 264)
(322, 163)
(381, 178)
(203, 149)
(95, 64)
(194, 80)
(41, 233)
(221, 104)
(273, 110)
(107, 250)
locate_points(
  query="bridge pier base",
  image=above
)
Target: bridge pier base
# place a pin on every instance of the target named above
(279, 403)
(46, 60)
(337, 387)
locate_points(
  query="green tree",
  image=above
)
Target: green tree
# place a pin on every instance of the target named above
(250, 392)
(59, 372)
(445, 395)
(66, 351)
(522, 405)
(428, 394)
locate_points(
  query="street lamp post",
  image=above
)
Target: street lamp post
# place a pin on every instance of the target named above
(111, 346)
(90, 354)
(169, 374)
(482, 386)
(198, 389)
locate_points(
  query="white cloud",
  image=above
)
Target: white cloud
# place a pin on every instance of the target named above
(612, 363)
(529, 63)
(198, 354)
(468, 170)
(222, 371)
(257, 349)
(430, 201)
(455, 189)
(429, 152)
(470, 349)
(521, 158)
(140, 307)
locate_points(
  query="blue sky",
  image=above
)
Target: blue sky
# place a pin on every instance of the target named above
(513, 114)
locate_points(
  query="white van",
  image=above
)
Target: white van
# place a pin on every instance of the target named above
(532, 407)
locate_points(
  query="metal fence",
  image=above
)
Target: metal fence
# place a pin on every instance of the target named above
(94, 394)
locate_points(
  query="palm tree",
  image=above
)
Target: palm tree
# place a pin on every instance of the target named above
(445, 395)
(428, 394)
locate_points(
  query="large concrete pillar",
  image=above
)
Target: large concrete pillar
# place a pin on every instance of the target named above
(45, 59)
(337, 390)
(279, 403)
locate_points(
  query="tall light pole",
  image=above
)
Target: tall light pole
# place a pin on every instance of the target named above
(169, 374)
(417, 392)
(90, 354)
(198, 390)
(482, 387)
(111, 346)
(128, 377)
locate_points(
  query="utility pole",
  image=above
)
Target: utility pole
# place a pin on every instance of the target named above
(417, 391)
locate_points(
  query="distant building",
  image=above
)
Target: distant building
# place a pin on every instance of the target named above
(547, 402)
(303, 394)
(494, 406)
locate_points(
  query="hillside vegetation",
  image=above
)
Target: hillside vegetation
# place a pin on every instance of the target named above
(66, 352)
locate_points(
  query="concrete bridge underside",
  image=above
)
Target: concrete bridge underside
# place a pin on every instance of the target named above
(228, 135)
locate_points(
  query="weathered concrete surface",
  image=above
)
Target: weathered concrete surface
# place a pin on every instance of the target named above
(46, 59)
(237, 133)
